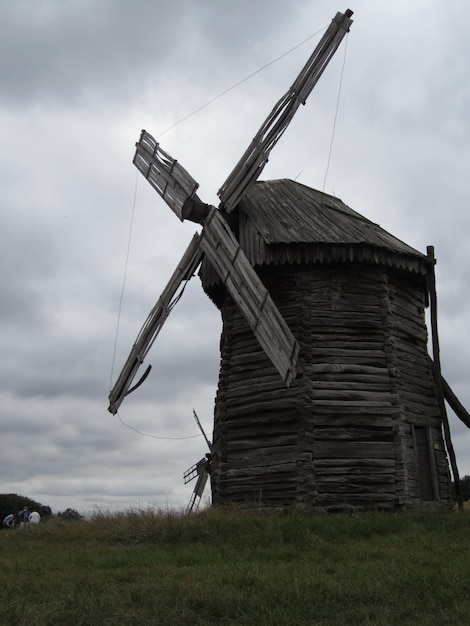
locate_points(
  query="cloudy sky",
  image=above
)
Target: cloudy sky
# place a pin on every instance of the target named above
(79, 79)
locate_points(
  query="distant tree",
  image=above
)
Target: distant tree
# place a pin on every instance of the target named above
(69, 515)
(13, 503)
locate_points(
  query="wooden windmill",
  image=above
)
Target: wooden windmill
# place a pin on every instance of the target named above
(362, 424)
(200, 471)
(327, 397)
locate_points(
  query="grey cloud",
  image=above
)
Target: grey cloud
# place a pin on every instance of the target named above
(64, 52)
(56, 52)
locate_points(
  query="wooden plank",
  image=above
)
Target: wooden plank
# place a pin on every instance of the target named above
(346, 395)
(346, 368)
(250, 295)
(353, 420)
(332, 385)
(354, 433)
(328, 464)
(278, 469)
(371, 405)
(264, 455)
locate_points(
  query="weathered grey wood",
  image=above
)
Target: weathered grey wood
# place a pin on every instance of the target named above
(342, 432)
(169, 179)
(438, 375)
(347, 466)
(455, 403)
(251, 164)
(251, 296)
(190, 261)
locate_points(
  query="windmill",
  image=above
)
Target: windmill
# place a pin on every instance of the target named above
(217, 241)
(201, 470)
(327, 396)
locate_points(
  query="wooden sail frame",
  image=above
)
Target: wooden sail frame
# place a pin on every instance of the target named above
(251, 164)
(252, 298)
(168, 177)
(185, 269)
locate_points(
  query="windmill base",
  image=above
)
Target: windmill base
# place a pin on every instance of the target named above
(360, 427)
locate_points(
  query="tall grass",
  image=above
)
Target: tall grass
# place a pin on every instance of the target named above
(230, 567)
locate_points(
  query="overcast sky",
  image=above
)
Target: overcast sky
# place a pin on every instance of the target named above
(79, 80)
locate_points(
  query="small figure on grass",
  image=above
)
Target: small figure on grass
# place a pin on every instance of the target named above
(34, 518)
(23, 516)
(9, 521)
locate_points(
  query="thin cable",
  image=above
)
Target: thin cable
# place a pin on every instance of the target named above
(126, 263)
(240, 82)
(153, 436)
(336, 113)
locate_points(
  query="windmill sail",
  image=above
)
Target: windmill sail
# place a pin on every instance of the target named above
(250, 166)
(201, 471)
(184, 271)
(169, 179)
(230, 262)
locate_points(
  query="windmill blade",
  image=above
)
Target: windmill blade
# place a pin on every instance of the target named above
(193, 471)
(169, 179)
(250, 166)
(209, 445)
(201, 469)
(249, 293)
(157, 316)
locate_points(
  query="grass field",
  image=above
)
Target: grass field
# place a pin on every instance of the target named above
(159, 567)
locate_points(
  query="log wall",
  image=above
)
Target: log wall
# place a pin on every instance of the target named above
(343, 433)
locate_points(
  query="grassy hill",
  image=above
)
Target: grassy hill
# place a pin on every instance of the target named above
(229, 567)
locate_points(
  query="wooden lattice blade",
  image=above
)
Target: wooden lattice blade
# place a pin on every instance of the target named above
(197, 493)
(185, 270)
(251, 296)
(201, 482)
(250, 166)
(194, 470)
(169, 179)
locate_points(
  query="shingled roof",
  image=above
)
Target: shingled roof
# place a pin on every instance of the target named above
(282, 221)
(284, 211)
(277, 213)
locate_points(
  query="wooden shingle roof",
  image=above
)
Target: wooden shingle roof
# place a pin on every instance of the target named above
(284, 211)
(284, 222)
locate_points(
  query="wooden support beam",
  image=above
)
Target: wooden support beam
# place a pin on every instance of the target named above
(431, 280)
(455, 403)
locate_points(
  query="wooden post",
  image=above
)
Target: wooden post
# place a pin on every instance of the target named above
(431, 280)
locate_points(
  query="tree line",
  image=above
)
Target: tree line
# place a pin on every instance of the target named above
(13, 503)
